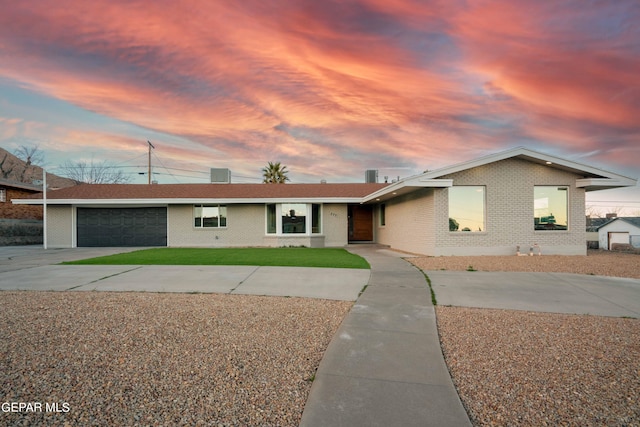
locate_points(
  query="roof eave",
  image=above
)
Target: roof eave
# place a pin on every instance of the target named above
(187, 201)
(406, 186)
(537, 157)
(595, 184)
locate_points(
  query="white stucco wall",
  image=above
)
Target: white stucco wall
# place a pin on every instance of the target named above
(617, 226)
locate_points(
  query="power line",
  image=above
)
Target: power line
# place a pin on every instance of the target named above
(162, 164)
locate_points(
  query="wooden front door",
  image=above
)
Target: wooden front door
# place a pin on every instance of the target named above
(360, 223)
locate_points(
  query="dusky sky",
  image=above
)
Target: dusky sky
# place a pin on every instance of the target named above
(328, 88)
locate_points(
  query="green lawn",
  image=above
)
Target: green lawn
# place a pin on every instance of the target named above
(284, 257)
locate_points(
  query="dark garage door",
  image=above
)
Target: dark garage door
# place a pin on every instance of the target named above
(122, 227)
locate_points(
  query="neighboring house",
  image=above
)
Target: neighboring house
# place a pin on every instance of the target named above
(592, 231)
(19, 224)
(487, 206)
(10, 190)
(621, 230)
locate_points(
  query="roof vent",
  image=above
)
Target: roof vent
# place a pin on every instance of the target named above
(371, 176)
(220, 176)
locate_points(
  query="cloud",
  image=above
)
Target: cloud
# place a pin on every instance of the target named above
(329, 87)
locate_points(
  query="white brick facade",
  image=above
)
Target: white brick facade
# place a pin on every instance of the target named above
(246, 226)
(409, 224)
(60, 232)
(421, 224)
(416, 209)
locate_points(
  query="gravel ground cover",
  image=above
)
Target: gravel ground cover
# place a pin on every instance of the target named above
(514, 368)
(160, 359)
(599, 263)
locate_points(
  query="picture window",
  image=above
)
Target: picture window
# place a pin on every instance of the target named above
(467, 208)
(210, 216)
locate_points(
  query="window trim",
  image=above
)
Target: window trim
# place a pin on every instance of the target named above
(3, 195)
(278, 219)
(220, 216)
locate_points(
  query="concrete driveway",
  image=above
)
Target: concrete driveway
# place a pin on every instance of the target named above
(544, 292)
(32, 268)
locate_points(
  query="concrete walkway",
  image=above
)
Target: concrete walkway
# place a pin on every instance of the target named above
(384, 366)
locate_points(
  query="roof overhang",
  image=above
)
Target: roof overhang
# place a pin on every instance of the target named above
(184, 201)
(406, 186)
(593, 184)
(589, 178)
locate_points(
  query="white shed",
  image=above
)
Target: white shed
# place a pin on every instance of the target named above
(625, 230)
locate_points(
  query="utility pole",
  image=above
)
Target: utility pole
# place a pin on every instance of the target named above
(150, 147)
(44, 208)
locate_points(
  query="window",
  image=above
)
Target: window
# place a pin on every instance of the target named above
(383, 213)
(3, 195)
(550, 207)
(294, 218)
(315, 218)
(466, 208)
(271, 219)
(210, 216)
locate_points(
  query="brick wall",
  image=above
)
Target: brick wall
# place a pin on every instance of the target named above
(10, 211)
(409, 224)
(509, 211)
(246, 227)
(60, 233)
(419, 222)
(335, 224)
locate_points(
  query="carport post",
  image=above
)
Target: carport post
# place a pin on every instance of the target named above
(44, 208)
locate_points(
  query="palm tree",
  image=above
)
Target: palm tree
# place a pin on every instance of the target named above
(274, 173)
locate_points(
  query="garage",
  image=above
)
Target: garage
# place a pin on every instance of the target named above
(619, 238)
(109, 227)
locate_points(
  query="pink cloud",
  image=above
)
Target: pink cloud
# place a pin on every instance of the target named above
(341, 84)
(547, 57)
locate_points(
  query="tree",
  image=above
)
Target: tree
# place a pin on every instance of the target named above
(31, 156)
(274, 173)
(6, 167)
(94, 173)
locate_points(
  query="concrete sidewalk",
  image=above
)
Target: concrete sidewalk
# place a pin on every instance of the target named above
(327, 283)
(384, 366)
(33, 268)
